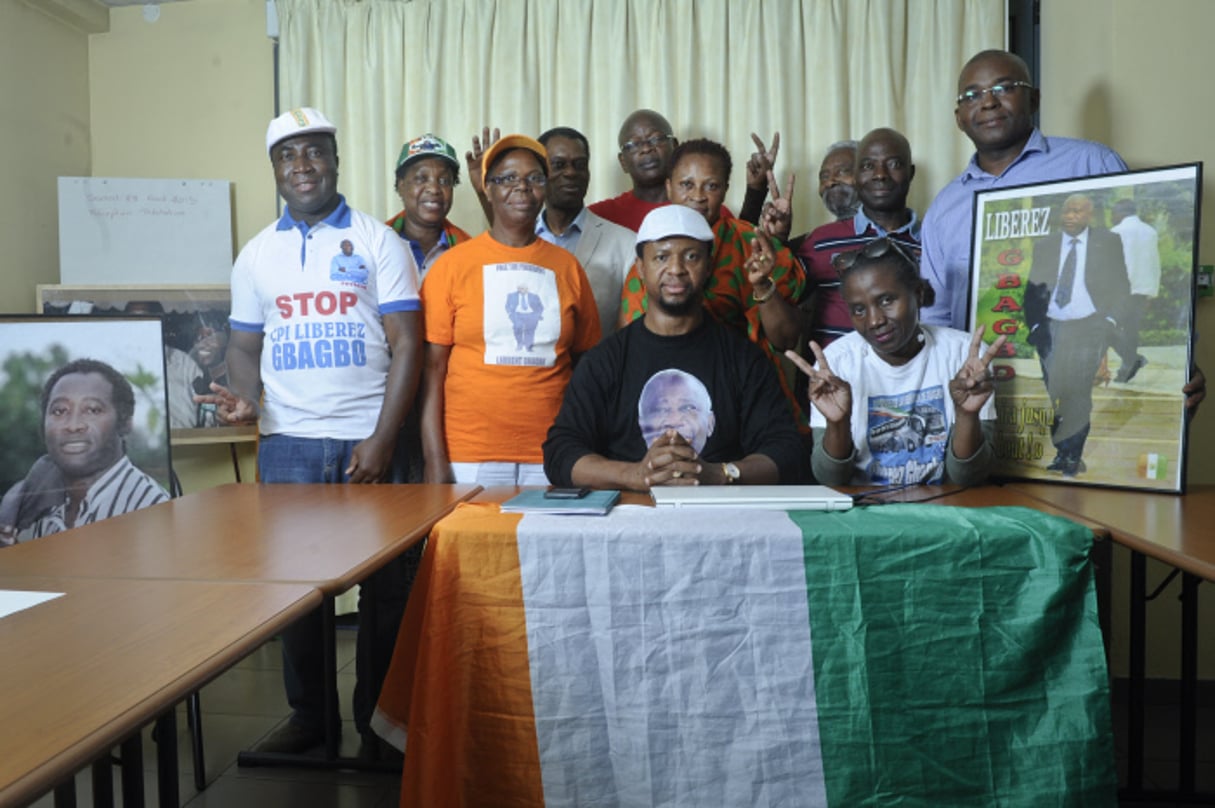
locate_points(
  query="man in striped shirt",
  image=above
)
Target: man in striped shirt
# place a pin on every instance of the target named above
(87, 408)
(883, 175)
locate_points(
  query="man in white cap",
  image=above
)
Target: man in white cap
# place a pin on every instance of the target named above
(334, 361)
(674, 398)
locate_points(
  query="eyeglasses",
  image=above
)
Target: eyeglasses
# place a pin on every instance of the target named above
(997, 91)
(654, 141)
(533, 180)
(874, 250)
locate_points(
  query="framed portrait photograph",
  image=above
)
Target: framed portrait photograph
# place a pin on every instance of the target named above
(195, 342)
(83, 410)
(1092, 283)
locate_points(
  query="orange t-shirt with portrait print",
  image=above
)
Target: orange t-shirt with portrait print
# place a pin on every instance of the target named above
(513, 316)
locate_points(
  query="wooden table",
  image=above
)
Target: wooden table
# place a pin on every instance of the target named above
(84, 671)
(331, 536)
(462, 663)
(1178, 530)
(328, 536)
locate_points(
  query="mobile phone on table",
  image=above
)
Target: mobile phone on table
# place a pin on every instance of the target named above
(566, 493)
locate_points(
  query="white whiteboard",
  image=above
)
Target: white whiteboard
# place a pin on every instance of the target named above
(166, 232)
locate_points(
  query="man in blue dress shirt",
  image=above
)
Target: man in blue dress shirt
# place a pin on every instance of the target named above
(996, 105)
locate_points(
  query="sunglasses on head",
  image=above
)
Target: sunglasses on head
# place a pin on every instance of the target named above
(873, 251)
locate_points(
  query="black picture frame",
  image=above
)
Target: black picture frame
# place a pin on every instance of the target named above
(1137, 427)
(32, 349)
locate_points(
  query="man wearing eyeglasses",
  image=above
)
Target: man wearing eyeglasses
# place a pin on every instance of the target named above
(646, 145)
(995, 107)
(603, 248)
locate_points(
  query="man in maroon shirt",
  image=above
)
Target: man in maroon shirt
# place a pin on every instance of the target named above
(646, 143)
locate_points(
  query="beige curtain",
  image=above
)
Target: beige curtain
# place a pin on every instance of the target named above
(815, 70)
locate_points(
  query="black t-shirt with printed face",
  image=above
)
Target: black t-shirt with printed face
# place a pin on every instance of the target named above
(715, 388)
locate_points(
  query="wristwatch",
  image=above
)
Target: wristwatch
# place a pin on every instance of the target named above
(732, 473)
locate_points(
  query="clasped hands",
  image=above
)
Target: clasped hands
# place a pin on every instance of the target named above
(671, 460)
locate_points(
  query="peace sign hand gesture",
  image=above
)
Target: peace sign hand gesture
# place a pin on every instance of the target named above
(759, 265)
(777, 217)
(830, 395)
(974, 384)
(761, 161)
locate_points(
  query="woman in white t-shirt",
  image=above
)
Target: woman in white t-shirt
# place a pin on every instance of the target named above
(896, 402)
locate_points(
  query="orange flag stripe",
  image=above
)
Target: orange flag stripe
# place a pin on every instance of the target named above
(453, 720)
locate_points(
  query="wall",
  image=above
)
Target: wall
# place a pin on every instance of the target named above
(1127, 73)
(45, 132)
(1119, 71)
(189, 95)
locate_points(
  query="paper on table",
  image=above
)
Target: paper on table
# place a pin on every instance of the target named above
(14, 601)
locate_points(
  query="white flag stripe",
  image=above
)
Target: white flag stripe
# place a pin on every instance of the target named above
(670, 671)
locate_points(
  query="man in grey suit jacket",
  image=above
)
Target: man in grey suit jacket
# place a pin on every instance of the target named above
(1076, 297)
(604, 249)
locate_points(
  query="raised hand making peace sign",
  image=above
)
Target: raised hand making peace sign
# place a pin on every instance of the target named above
(777, 217)
(828, 392)
(762, 161)
(971, 388)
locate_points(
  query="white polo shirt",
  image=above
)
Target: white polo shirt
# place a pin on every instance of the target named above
(324, 362)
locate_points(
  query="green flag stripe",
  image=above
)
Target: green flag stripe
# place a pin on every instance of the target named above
(957, 658)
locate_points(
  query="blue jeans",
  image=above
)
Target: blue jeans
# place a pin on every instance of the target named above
(382, 596)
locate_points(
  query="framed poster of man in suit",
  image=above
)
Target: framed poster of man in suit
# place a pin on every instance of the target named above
(1092, 282)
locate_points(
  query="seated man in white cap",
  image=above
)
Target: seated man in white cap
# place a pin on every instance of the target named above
(334, 363)
(674, 398)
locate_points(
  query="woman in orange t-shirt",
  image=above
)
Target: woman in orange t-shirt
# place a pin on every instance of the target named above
(506, 315)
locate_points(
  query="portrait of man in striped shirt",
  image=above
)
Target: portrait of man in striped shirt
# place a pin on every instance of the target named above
(87, 412)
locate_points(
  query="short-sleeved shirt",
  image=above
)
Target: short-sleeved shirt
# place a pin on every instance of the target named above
(949, 223)
(901, 414)
(450, 237)
(818, 252)
(500, 396)
(325, 358)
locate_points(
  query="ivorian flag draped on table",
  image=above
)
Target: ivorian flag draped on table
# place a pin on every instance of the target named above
(902, 654)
